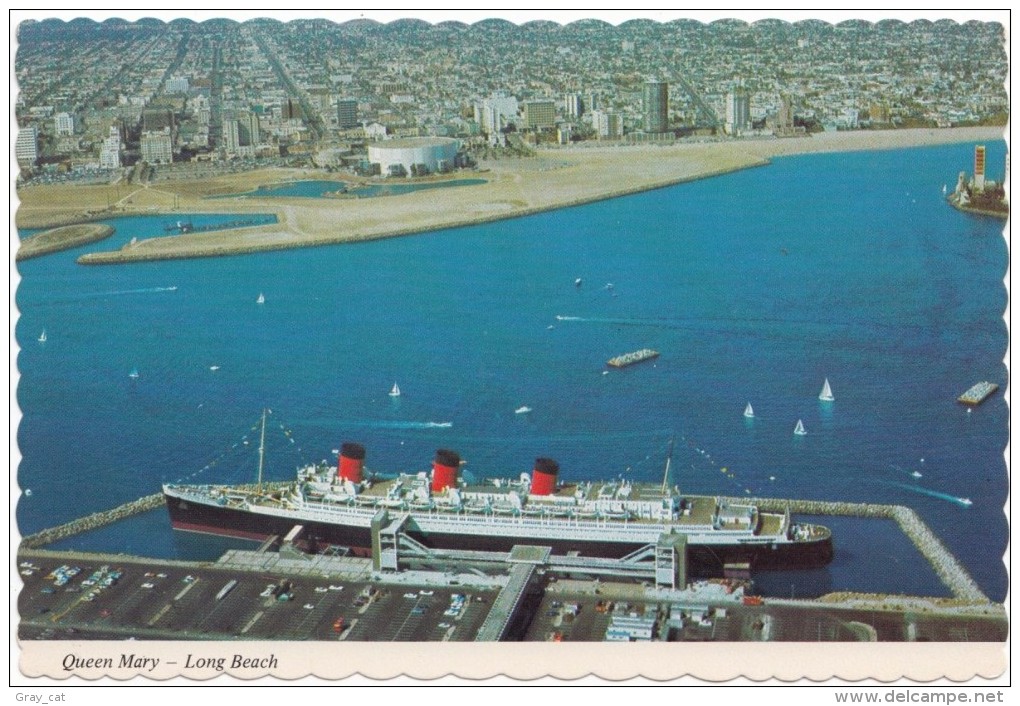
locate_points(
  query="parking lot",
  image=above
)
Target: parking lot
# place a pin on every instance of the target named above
(171, 602)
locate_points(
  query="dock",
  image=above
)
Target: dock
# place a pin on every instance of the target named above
(622, 361)
(978, 393)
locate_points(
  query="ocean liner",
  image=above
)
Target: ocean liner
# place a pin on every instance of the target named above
(335, 506)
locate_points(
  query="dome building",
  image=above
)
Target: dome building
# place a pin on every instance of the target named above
(415, 156)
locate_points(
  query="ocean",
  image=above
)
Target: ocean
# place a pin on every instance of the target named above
(754, 287)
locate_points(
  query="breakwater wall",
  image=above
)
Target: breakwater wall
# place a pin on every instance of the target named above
(108, 517)
(942, 561)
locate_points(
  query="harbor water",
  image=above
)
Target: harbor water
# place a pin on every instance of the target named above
(753, 287)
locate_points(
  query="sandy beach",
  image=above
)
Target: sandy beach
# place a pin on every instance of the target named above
(555, 178)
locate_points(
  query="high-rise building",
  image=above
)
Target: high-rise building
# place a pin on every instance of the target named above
(979, 167)
(738, 112)
(109, 154)
(157, 147)
(608, 126)
(347, 113)
(26, 148)
(494, 113)
(656, 106)
(249, 134)
(539, 114)
(63, 123)
(572, 105)
(231, 135)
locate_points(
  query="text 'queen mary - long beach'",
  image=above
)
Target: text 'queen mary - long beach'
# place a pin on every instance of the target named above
(336, 506)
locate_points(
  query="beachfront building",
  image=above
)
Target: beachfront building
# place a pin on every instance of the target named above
(656, 106)
(495, 113)
(573, 105)
(347, 113)
(415, 155)
(539, 114)
(26, 148)
(738, 112)
(109, 153)
(607, 125)
(157, 147)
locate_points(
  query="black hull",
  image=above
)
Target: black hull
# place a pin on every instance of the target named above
(703, 560)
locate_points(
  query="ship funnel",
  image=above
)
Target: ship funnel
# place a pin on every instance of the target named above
(350, 463)
(444, 470)
(543, 479)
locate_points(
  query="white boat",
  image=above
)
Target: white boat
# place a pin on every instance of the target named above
(214, 368)
(965, 501)
(522, 410)
(748, 411)
(944, 189)
(799, 430)
(395, 392)
(577, 282)
(826, 394)
(916, 474)
(133, 374)
(42, 336)
(261, 299)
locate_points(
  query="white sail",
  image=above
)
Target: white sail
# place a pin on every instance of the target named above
(748, 411)
(133, 374)
(826, 394)
(799, 430)
(395, 392)
(42, 336)
(261, 299)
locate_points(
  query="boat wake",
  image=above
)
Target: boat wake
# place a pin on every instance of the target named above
(962, 502)
(400, 425)
(121, 292)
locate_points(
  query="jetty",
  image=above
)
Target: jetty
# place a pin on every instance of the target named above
(978, 393)
(942, 561)
(622, 361)
(103, 518)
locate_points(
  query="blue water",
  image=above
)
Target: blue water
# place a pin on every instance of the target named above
(320, 189)
(755, 286)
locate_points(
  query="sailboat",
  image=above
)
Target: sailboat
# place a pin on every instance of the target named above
(944, 189)
(395, 392)
(748, 411)
(42, 336)
(799, 430)
(522, 410)
(826, 394)
(261, 299)
(133, 374)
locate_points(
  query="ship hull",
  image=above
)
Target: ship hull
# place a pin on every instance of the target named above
(704, 558)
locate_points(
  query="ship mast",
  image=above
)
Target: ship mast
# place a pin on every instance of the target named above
(665, 475)
(262, 449)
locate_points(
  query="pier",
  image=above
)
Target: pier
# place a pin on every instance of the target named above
(942, 561)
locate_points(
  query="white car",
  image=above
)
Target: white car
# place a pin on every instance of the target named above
(321, 589)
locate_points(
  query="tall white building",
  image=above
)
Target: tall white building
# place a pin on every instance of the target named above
(157, 147)
(26, 148)
(738, 112)
(607, 125)
(63, 124)
(109, 153)
(494, 113)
